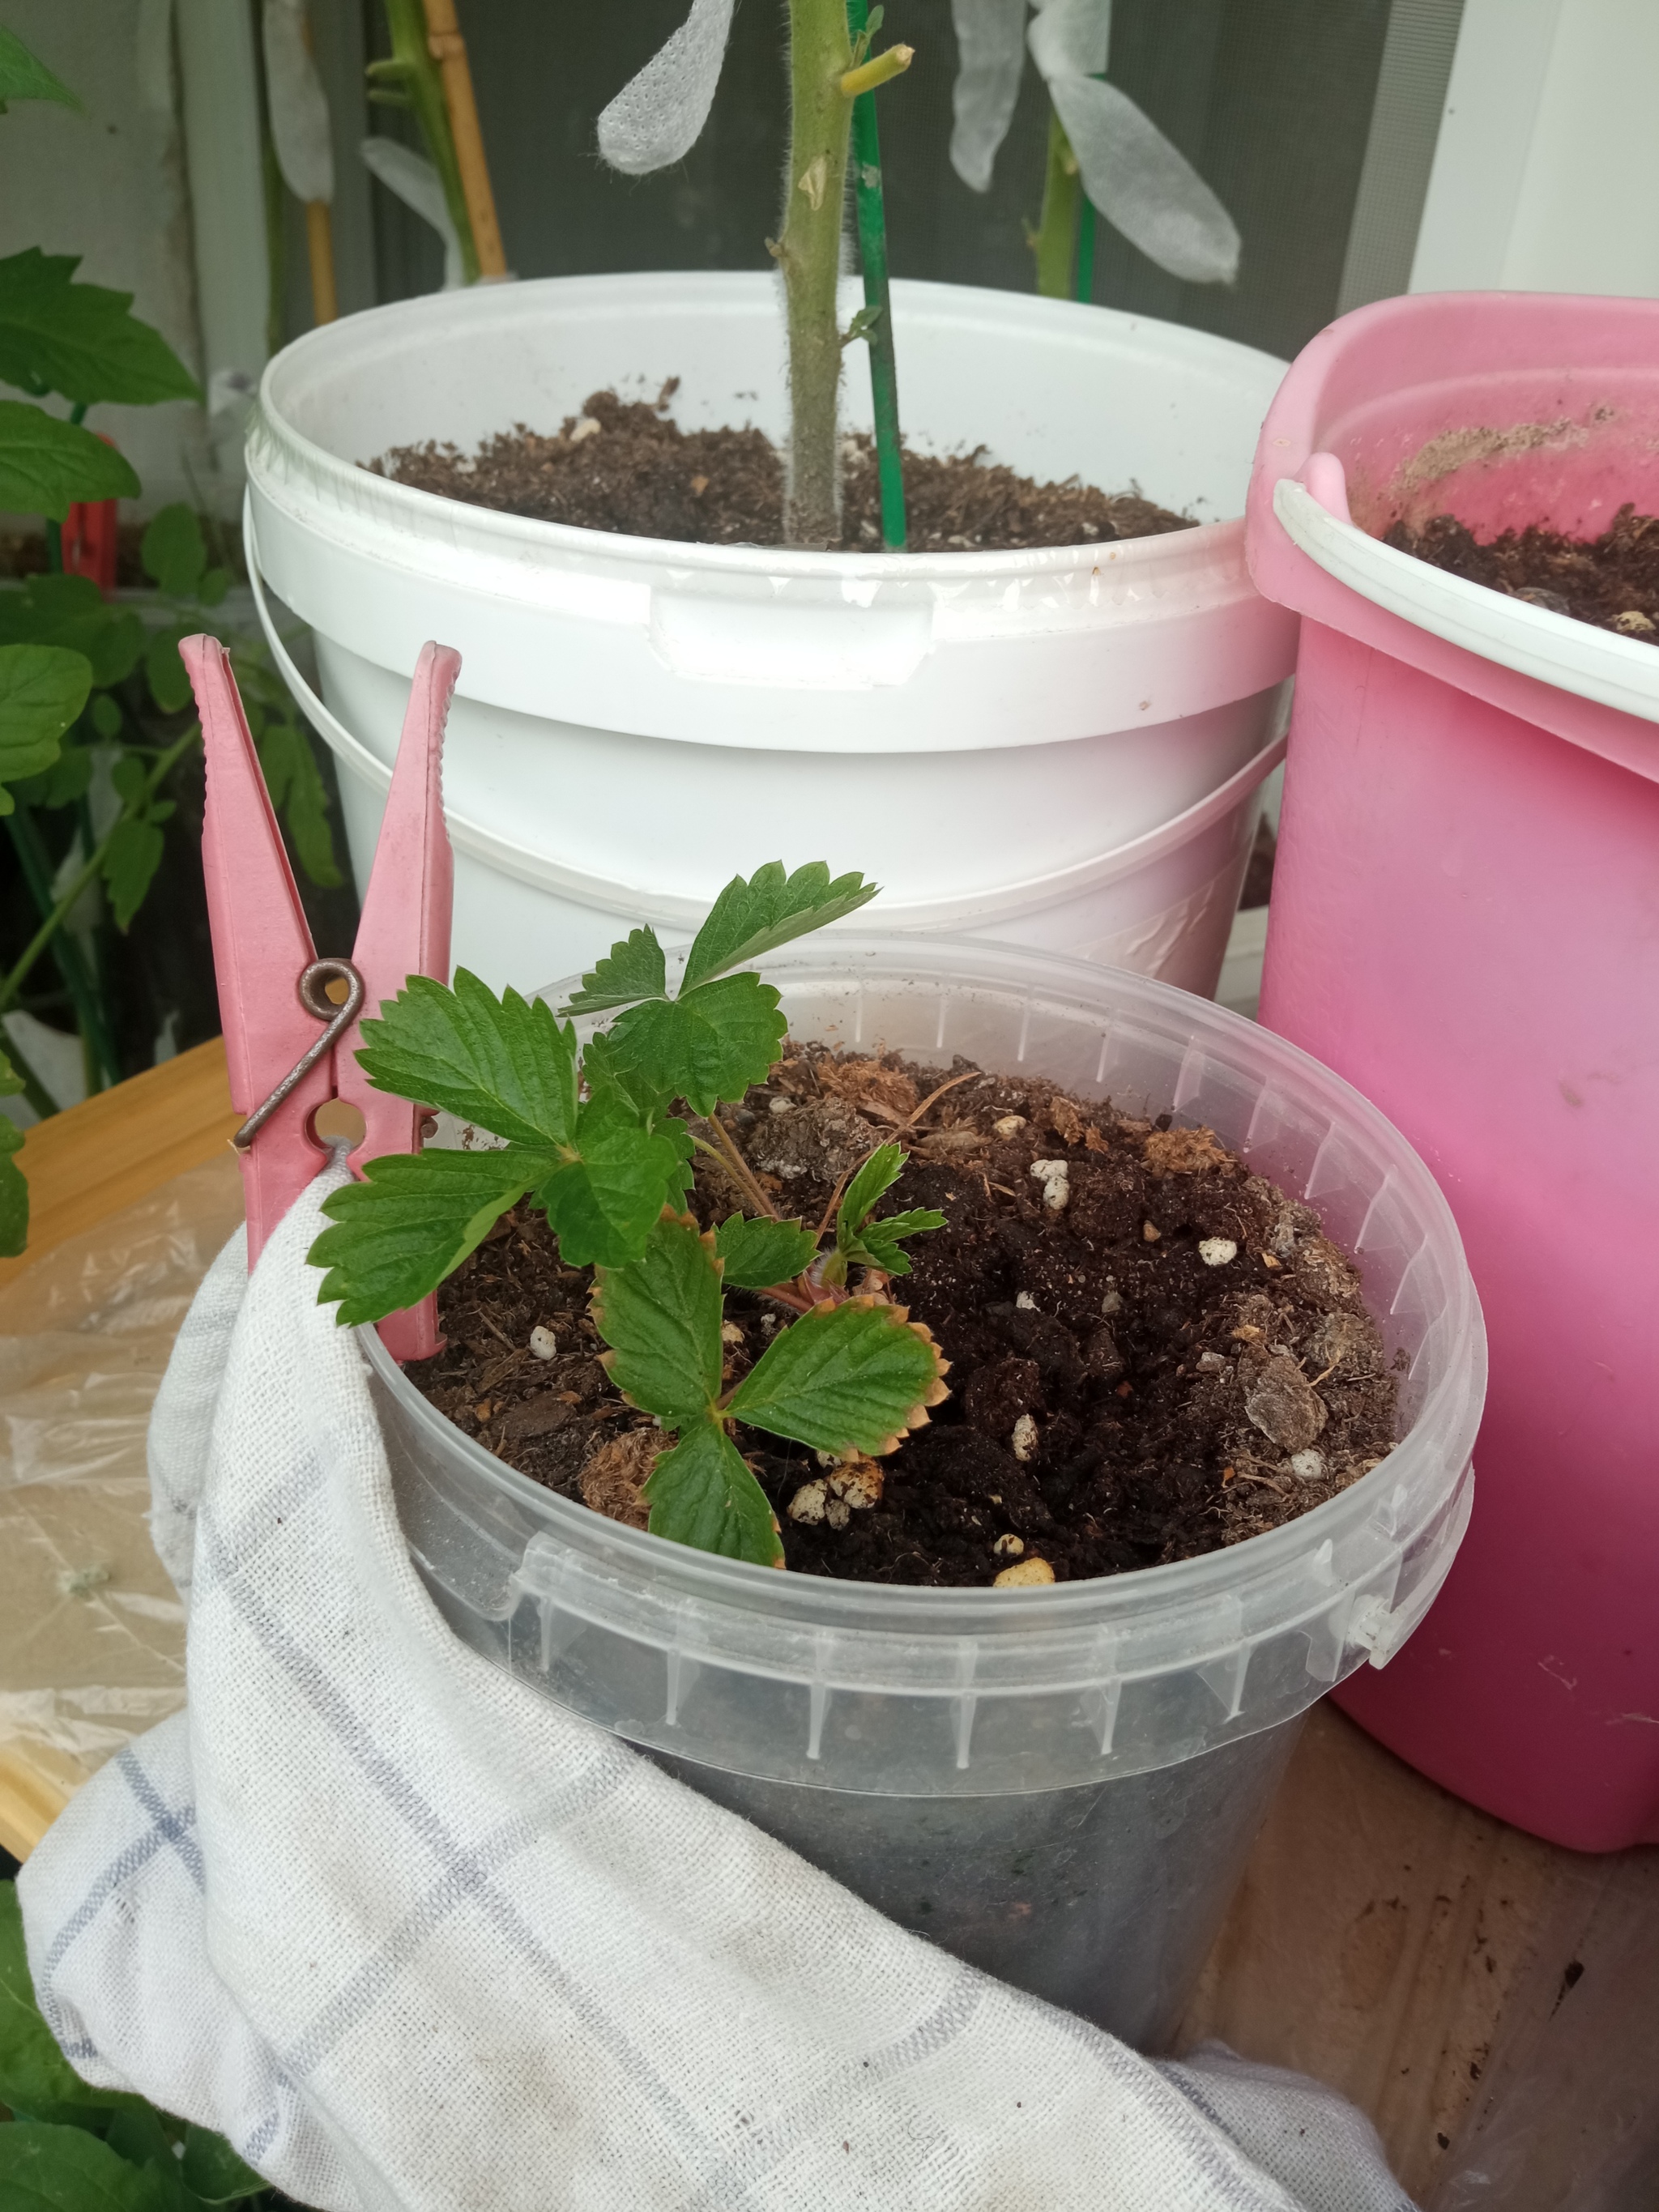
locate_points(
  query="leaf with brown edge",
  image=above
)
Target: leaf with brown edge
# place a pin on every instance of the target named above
(856, 1373)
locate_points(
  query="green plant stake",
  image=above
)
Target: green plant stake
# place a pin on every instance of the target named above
(611, 1171)
(1055, 239)
(876, 321)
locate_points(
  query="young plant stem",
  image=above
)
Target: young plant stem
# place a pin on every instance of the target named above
(36, 868)
(808, 253)
(1054, 242)
(411, 79)
(15, 978)
(726, 1152)
(872, 255)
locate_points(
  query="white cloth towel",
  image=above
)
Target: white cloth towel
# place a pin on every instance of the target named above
(414, 1938)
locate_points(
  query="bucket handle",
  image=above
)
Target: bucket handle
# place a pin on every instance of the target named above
(1032, 893)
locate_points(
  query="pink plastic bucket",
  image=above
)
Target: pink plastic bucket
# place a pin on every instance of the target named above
(1465, 924)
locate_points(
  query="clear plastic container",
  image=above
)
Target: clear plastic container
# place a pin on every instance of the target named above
(1060, 1784)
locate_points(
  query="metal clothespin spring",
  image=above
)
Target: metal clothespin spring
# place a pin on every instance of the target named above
(313, 996)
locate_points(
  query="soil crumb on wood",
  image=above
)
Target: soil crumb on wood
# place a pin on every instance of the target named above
(626, 466)
(1611, 581)
(1154, 1352)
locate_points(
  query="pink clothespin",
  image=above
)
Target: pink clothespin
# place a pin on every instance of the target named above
(292, 1022)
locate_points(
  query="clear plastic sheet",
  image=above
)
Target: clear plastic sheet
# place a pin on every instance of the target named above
(92, 1636)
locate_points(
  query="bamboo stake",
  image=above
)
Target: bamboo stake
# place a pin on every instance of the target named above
(320, 246)
(448, 49)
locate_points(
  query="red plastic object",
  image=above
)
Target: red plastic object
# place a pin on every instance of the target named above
(89, 541)
(262, 945)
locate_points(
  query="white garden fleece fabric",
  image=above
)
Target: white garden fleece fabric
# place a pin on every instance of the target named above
(417, 1939)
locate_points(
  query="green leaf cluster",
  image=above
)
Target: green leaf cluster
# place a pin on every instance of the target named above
(589, 1137)
(72, 2148)
(852, 1375)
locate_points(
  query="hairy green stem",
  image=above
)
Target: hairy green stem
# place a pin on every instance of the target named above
(878, 299)
(1085, 249)
(1054, 242)
(89, 1013)
(808, 250)
(18, 974)
(412, 75)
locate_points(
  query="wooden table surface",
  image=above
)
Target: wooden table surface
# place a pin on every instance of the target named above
(1385, 1933)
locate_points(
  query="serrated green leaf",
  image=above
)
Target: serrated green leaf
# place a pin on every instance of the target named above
(105, 716)
(212, 2170)
(629, 1088)
(42, 690)
(632, 969)
(754, 917)
(46, 466)
(24, 78)
(45, 2169)
(174, 552)
(707, 1045)
(410, 1222)
(878, 1174)
(504, 1064)
(602, 1203)
(703, 1494)
(131, 860)
(661, 1318)
(164, 672)
(841, 1376)
(14, 1207)
(879, 1244)
(300, 797)
(81, 340)
(759, 1254)
(35, 2077)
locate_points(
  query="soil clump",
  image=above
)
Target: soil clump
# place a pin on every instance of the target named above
(626, 466)
(1611, 581)
(1154, 1352)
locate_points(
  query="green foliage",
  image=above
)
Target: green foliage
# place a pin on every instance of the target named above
(849, 1374)
(42, 690)
(72, 2148)
(411, 1221)
(703, 1493)
(13, 1190)
(503, 1063)
(863, 1242)
(23, 77)
(633, 969)
(749, 918)
(591, 1140)
(661, 1317)
(708, 1045)
(758, 1255)
(174, 552)
(46, 466)
(81, 340)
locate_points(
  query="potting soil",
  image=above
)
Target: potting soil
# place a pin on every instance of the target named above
(1612, 581)
(627, 466)
(1154, 1352)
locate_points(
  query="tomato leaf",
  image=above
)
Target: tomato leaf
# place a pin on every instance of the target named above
(46, 466)
(42, 692)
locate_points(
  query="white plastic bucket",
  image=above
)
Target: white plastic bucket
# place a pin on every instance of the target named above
(1063, 746)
